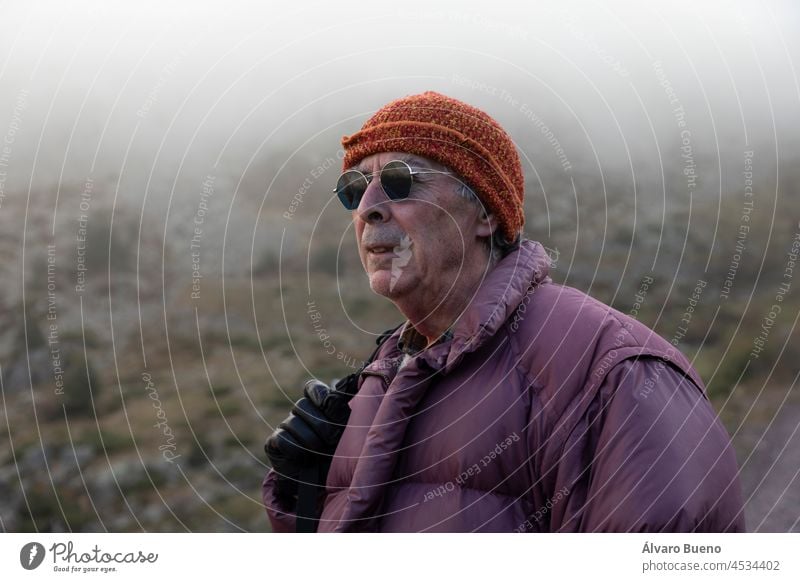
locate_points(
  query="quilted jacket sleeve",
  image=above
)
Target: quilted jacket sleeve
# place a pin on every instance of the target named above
(281, 517)
(648, 455)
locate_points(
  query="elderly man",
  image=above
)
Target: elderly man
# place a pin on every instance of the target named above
(505, 402)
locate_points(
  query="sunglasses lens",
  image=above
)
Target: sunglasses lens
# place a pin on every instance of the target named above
(350, 188)
(396, 180)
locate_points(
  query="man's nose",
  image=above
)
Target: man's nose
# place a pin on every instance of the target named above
(374, 205)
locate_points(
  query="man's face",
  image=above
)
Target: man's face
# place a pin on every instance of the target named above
(418, 246)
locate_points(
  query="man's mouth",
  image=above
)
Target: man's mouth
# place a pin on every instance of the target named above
(386, 248)
(379, 250)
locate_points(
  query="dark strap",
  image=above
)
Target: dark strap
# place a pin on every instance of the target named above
(308, 491)
(310, 486)
(349, 384)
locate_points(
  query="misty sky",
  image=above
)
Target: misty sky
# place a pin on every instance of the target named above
(150, 91)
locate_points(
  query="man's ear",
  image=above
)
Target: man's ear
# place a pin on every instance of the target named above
(487, 224)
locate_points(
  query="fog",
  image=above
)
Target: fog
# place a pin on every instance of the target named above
(153, 93)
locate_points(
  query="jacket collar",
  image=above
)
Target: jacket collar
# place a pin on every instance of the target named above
(411, 341)
(499, 294)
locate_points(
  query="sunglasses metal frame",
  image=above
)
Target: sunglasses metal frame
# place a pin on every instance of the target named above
(368, 178)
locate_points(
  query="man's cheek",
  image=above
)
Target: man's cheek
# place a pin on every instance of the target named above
(362, 258)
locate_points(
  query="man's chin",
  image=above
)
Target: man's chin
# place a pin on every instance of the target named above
(381, 283)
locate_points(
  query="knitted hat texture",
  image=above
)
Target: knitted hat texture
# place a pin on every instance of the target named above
(457, 135)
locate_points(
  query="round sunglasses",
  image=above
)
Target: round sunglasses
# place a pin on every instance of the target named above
(396, 179)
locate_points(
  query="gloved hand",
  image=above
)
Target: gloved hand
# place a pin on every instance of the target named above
(309, 435)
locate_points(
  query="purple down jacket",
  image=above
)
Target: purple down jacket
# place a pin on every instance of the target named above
(546, 411)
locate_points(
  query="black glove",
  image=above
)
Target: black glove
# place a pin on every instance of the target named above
(309, 435)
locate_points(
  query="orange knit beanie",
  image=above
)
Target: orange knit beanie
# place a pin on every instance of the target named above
(462, 137)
